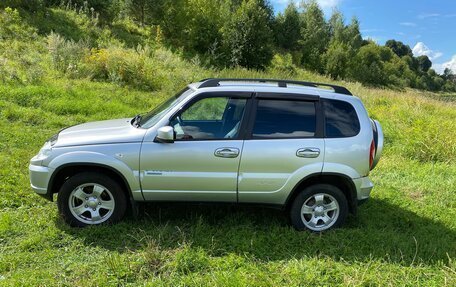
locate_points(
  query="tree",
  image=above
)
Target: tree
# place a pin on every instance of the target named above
(287, 28)
(264, 4)
(449, 80)
(369, 65)
(204, 22)
(353, 35)
(424, 64)
(138, 9)
(337, 60)
(345, 43)
(431, 81)
(448, 75)
(247, 37)
(174, 22)
(315, 36)
(337, 27)
(146, 11)
(29, 5)
(411, 61)
(397, 70)
(399, 48)
(267, 7)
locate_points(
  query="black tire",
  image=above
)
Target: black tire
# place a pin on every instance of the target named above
(80, 179)
(330, 193)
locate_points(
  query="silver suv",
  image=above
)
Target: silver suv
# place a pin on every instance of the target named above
(305, 147)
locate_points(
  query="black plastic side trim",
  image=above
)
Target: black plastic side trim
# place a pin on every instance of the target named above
(47, 196)
(159, 140)
(320, 120)
(352, 202)
(375, 130)
(76, 164)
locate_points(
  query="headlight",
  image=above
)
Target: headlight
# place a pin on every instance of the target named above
(52, 140)
(46, 150)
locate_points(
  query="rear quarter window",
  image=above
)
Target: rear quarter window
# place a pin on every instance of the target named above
(341, 119)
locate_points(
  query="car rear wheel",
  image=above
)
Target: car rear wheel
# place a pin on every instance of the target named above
(319, 208)
(91, 199)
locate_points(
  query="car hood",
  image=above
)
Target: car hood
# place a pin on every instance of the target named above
(101, 132)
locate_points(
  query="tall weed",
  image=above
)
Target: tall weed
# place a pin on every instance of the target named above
(66, 54)
(122, 66)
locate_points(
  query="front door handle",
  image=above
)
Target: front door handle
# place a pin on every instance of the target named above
(308, 152)
(227, 152)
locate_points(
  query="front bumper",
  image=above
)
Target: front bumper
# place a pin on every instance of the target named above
(363, 188)
(39, 179)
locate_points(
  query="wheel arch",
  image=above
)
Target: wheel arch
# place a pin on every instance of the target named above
(65, 171)
(341, 181)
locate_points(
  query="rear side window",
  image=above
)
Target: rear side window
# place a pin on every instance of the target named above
(284, 119)
(341, 119)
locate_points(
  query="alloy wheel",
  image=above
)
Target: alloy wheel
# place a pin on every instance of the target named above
(320, 211)
(91, 203)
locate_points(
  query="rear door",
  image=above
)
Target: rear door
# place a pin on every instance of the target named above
(283, 145)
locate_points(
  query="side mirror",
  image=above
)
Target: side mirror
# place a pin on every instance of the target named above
(165, 135)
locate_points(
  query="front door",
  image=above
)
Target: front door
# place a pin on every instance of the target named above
(202, 164)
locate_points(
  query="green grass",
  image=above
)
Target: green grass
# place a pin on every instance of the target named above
(405, 235)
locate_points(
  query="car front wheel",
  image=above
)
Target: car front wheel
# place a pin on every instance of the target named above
(319, 208)
(91, 199)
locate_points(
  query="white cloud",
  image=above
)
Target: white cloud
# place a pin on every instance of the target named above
(326, 5)
(408, 24)
(428, 15)
(421, 49)
(451, 64)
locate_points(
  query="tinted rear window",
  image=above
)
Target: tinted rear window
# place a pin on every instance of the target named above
(284, 119)
(341, 119)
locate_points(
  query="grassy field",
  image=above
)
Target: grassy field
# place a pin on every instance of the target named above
(405, 235)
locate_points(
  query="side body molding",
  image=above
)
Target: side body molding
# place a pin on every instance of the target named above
(337, 168)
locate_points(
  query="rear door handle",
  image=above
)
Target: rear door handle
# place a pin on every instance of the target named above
(308, 152)
(227, 152)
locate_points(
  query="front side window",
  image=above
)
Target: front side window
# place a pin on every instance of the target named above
(284, 119)
(210, 118)
(152, 117)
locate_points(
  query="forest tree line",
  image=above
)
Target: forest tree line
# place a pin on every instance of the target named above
(247, 33)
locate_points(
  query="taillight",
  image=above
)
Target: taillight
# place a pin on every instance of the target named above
(371, 155)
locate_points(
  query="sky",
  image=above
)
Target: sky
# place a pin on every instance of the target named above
(427, 26)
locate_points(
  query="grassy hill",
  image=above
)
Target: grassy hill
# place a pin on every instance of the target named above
(405, 235)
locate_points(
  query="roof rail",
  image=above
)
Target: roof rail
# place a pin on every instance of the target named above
(214, 82)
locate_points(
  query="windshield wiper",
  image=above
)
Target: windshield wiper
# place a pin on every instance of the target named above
(136, 121)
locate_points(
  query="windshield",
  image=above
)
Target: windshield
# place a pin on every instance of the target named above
(152, 117)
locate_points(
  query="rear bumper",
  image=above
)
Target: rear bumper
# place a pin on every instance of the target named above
(39, 179)
(363, 188)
